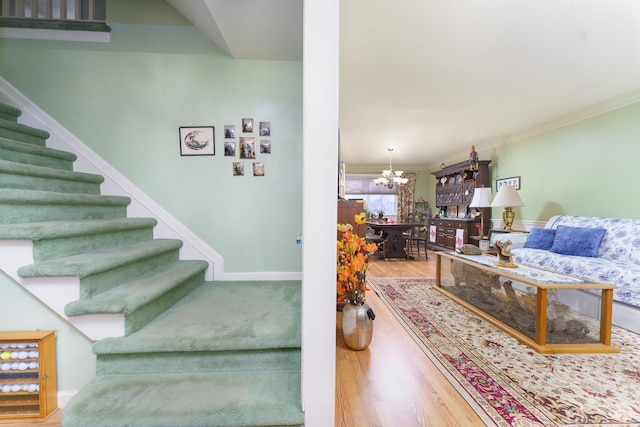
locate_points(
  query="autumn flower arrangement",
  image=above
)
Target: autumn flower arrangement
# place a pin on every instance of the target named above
(352, 263)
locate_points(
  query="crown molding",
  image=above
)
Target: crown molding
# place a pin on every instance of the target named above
(611, 104)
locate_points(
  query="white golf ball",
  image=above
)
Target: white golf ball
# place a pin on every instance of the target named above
(33, 365)
(15, 387)
(6, 388)
(5, 366)
(33, 354)
(32, 387)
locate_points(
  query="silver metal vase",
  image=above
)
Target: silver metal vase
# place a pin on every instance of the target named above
(357, 325)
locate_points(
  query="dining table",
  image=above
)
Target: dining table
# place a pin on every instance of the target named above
(395, 244)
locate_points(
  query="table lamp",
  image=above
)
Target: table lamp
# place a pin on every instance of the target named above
(507, 198)
(481, 199)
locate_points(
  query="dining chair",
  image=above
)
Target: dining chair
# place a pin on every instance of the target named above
(372, 237)
(417, 236)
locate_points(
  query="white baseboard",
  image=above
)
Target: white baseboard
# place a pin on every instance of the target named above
(64, 396)
(295, 275)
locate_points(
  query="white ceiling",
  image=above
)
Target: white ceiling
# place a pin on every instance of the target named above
(430, 78)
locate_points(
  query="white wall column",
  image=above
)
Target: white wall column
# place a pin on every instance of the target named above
(319, 189)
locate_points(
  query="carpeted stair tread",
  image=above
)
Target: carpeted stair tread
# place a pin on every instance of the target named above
(86, 264)
(22, 152)
(20, 175)
(221, 316)
(37, 231)
(20, 196)
(7, 112)
(57, 239)
(267, 398)
(20, 206)
(19, 132)
(130, 296)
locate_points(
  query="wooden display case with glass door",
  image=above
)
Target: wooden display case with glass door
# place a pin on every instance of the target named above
(28, 382)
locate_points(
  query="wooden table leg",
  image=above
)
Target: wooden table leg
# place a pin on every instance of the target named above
(606, 316)
(541, 316)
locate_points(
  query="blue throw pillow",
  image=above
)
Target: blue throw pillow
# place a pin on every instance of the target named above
(577, 241)
(540, 238)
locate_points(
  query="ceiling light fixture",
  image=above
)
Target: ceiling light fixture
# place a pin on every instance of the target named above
(389, 177)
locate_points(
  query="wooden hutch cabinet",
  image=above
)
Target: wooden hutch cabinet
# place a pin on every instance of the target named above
(347, 210)
(454, 191)
(28, 384)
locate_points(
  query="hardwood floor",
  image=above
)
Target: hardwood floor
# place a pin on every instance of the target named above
(391, 383)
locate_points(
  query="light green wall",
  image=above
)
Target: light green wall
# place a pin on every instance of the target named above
(126, 99)
(151, 12)
(586, 168)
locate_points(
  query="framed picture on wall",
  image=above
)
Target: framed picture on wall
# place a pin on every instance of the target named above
(247, 125)
(265, 146)
(247, 148)
(238, 168)
(265, 128)
(258, 169)
(197, 140)
(229, 131)
(513, 181)
(230, 148)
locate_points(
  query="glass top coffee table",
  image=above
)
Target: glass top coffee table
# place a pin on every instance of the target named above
(535, 306)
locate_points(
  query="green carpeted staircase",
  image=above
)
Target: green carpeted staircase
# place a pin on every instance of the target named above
(192, 352)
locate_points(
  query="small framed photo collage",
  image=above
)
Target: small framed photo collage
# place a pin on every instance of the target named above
(249, 145)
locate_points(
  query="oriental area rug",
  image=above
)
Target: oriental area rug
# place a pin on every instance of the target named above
(506, 382)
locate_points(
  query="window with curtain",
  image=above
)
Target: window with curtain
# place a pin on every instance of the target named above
(377, 197)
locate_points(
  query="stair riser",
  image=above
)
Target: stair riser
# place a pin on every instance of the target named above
(35, 160)
(144, 315)
(183, 362)
(29, 212)
(100, 282)
(57, 248)
(16, 135)
(25, 182)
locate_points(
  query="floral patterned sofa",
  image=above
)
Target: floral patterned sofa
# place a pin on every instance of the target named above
(609, 253)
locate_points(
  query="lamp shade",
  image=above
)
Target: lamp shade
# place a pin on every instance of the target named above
(481, 198)
(507, 196)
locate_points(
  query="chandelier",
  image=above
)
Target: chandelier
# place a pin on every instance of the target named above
(389, 177)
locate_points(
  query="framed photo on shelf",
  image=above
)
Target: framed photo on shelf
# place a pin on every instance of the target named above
(513, 181)
(197, 140)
